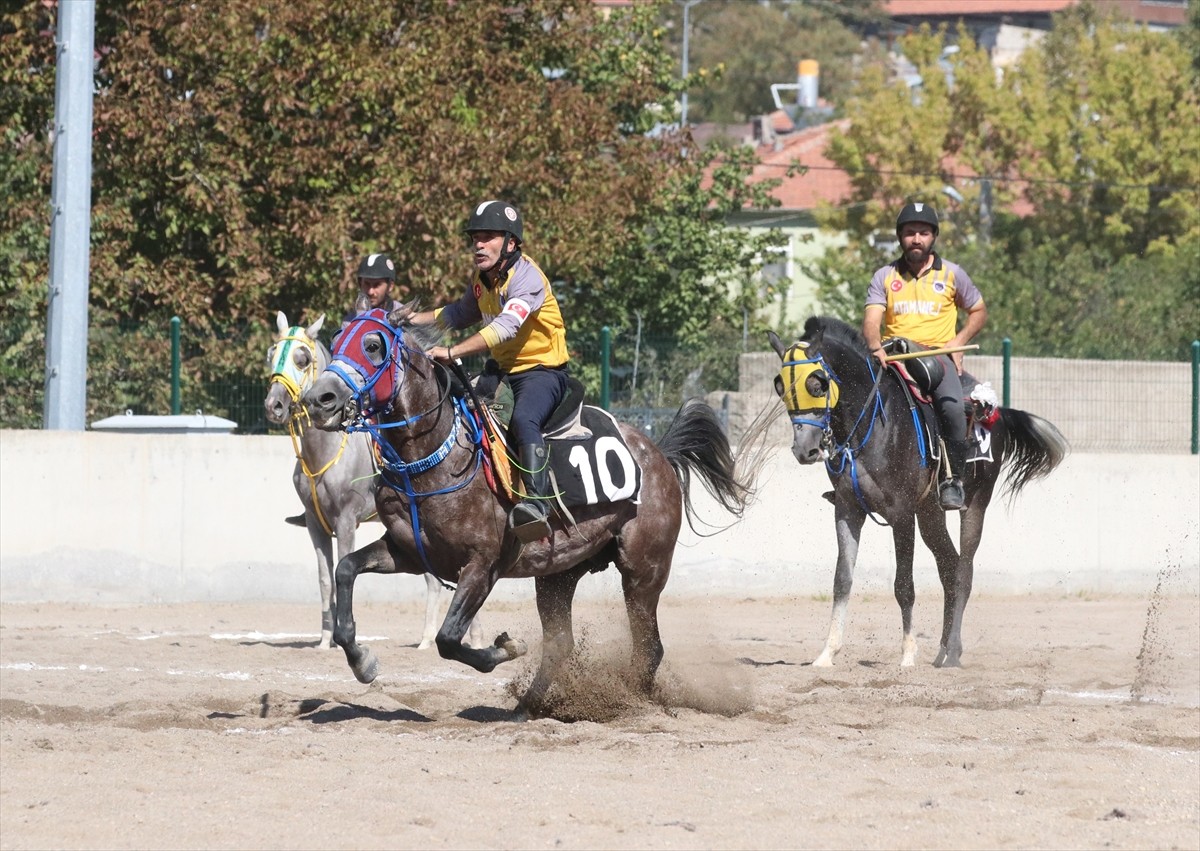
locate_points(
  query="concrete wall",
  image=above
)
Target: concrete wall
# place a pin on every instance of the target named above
(111, 518)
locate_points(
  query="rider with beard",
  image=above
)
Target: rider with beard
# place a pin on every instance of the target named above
(919, 296)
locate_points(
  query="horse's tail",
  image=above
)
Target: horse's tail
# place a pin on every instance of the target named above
(1034, 448)
(695, 443)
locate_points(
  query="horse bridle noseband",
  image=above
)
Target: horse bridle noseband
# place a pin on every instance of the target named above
(845, 452)
(395, 471)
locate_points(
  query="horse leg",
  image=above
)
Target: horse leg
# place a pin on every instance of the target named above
(433, 593)
(950, 652)
(554, 595)
(323, 547)
(932, 521)
(345, 526)
(848, 524)
(970, 535)
(904, 540)
(475, 633)
(378, 557)
(643, 578)
(473, 589)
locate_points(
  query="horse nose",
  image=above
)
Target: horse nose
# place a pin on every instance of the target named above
(323, 403)
(806, 454)
(274, 410)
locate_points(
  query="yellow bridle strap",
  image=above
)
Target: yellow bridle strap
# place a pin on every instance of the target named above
(284, 370)
(296, 432)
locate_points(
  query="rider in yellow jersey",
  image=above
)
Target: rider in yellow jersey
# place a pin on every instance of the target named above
(523, 330)
(919, 297)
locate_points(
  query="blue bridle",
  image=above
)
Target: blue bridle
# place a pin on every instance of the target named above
(841, 457)
(395, 472)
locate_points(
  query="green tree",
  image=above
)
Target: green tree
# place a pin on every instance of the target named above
(1079, 173)
(248, 152)
(742, 48)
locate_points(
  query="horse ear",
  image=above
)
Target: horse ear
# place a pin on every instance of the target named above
(776, 344)
(281, 322)
(362, 304)
(312, 330)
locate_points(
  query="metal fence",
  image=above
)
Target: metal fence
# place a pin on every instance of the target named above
(1101, 406)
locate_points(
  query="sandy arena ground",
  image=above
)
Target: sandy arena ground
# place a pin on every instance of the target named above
(1076, 724)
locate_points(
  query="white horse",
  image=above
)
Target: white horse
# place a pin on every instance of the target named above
(335, 474)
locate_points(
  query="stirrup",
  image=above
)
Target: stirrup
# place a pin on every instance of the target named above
(951, 496)
(528, 522)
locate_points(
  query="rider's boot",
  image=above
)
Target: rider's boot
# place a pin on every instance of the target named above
(528, 517)
(951, 495)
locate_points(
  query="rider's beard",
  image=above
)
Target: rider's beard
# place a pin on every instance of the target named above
(917, 256)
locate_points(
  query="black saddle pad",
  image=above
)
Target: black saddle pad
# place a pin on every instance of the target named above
(594, 465)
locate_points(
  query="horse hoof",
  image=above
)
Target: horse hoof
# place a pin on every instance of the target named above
(825, 660)
(367, 668)
(425, 644)
(947, 660)
(513, 647)
(326, 641)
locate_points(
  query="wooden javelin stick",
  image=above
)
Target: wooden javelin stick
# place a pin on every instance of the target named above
(928, 353)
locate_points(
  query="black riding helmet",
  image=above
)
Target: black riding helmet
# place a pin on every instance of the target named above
(377, 267)
(918, 212)
(504, 218)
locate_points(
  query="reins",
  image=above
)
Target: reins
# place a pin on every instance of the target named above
(843, 455)
(397, 473)
(282, 374)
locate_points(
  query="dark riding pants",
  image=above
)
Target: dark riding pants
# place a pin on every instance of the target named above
(536, 393)
(948, 399)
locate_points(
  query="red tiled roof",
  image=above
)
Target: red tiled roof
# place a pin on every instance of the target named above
(824, 181)
(954, 8)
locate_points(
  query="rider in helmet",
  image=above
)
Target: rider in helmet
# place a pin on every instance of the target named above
(522, 328)
(376, 274)
(919, 296)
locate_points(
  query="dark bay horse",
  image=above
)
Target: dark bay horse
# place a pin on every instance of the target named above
(860, 424)
(441, 514)
(335, 474)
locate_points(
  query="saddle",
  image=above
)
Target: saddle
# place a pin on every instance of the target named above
(590, 462)
(919, 378)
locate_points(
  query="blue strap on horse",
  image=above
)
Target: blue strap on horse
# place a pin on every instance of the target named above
(847, 452)
(397, 473)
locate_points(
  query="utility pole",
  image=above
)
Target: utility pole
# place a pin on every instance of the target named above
(687, 4)
(64, 407)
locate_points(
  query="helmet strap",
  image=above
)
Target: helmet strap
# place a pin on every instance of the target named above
(507, 258)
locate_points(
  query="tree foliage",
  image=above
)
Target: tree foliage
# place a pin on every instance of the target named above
(740, 49)
(246, 153)
(1079, 174)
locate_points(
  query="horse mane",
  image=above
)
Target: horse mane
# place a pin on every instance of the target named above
(422, 337)
(835, 329)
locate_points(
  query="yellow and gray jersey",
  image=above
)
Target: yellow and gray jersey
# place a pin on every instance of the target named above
(923, 307)
(523, 326)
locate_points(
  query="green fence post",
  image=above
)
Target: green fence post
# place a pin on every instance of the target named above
(605, 366)
(1196, 397)
(1007, 383)
(175, 405)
